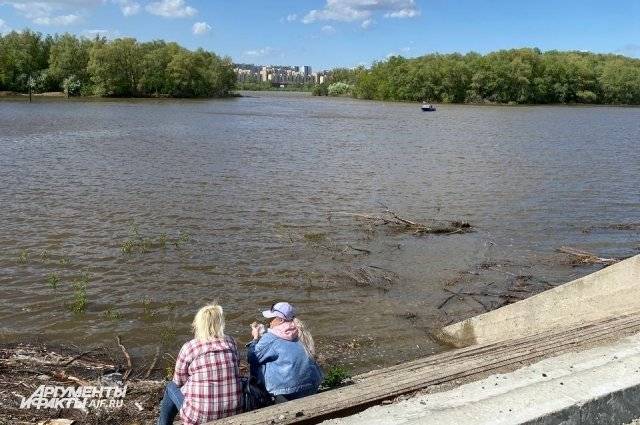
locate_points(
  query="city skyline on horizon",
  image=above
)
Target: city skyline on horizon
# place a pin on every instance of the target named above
(325, 34)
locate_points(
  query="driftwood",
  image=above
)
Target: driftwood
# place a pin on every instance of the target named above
(79, 356)
(24, 368)
(391, 218)
(153, 363)
(62, 376)
(372, 277)
(127, 357)
(585, 257)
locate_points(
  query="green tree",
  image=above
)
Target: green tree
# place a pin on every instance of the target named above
(155, 77)
(116, 67)
(69, 56)
(22, 54)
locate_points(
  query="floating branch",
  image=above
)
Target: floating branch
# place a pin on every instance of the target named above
(390, 218)
(585, 257)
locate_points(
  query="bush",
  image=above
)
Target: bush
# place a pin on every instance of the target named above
(320, 90)
(339, 89)
(71, 86)
(335, 376)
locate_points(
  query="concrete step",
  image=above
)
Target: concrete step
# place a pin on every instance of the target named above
(598, 386)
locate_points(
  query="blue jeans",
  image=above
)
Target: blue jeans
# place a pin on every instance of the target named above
(170, 404)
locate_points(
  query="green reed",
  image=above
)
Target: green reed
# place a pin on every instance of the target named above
(80, 301)
(147, 310)
(140, 243)
(53, 279)
(315, 237)
(44, 255)
(23, 257)
(111, 314)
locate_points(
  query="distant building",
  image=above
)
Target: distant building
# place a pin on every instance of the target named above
(277, 74)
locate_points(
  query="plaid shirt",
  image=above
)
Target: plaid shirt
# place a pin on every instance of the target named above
(208, 376)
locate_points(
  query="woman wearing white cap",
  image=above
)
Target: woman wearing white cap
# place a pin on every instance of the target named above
(282, 359)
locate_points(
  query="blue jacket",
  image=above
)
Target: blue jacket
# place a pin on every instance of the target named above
(283, 367)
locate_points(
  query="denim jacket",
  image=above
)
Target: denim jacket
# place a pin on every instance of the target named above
(282, 366)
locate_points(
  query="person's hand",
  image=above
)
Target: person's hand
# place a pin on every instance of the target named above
(255, 330)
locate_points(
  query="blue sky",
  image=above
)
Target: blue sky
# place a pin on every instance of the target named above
(328, 33)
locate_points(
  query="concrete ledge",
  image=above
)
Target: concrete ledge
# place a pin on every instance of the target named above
(599, 386)
(609, 292)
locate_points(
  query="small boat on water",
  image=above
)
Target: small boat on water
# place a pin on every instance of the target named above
(427, 107)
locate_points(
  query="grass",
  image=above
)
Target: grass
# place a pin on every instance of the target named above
(183, 239)
(111, 314)
(169, 366)
(53, 279)
(168, 335)
(147, 309)
(335, 376)
(44, 255)
(162, 240)
(64, 260)
(137, 242)
(79, 304)
(23, 257)
(315, 237)
(127, 247)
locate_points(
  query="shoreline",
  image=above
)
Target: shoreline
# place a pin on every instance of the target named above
(9, 95)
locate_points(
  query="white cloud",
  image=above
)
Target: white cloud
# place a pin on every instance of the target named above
(201, 28)
(403, 13)
(367, 23)
(362, 10)
(171, 9)
(53, 12)
(292, 17)
(59, 20)
(258, 53)
(328, 29)
(4, 28)
(128, 7)
(57, 13)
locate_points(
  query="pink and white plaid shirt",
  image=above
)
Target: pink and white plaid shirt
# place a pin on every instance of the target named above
(207, 374)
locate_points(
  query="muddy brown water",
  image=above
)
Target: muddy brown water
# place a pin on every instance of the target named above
(255, 182)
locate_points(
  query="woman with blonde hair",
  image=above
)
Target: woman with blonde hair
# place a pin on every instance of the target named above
(206, 382)
(282, 359)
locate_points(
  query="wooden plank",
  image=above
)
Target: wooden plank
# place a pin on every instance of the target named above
(371, 388)
(496, 348)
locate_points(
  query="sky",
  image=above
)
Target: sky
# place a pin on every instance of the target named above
(329, 33)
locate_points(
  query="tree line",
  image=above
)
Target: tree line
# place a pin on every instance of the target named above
(519, 76)
(101, 67)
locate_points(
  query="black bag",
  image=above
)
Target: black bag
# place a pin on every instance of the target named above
(254, 396)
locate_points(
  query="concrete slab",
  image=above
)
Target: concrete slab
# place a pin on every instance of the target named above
(597, 386)
(609, 292)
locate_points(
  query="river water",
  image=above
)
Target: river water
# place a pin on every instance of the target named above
(251, 194)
